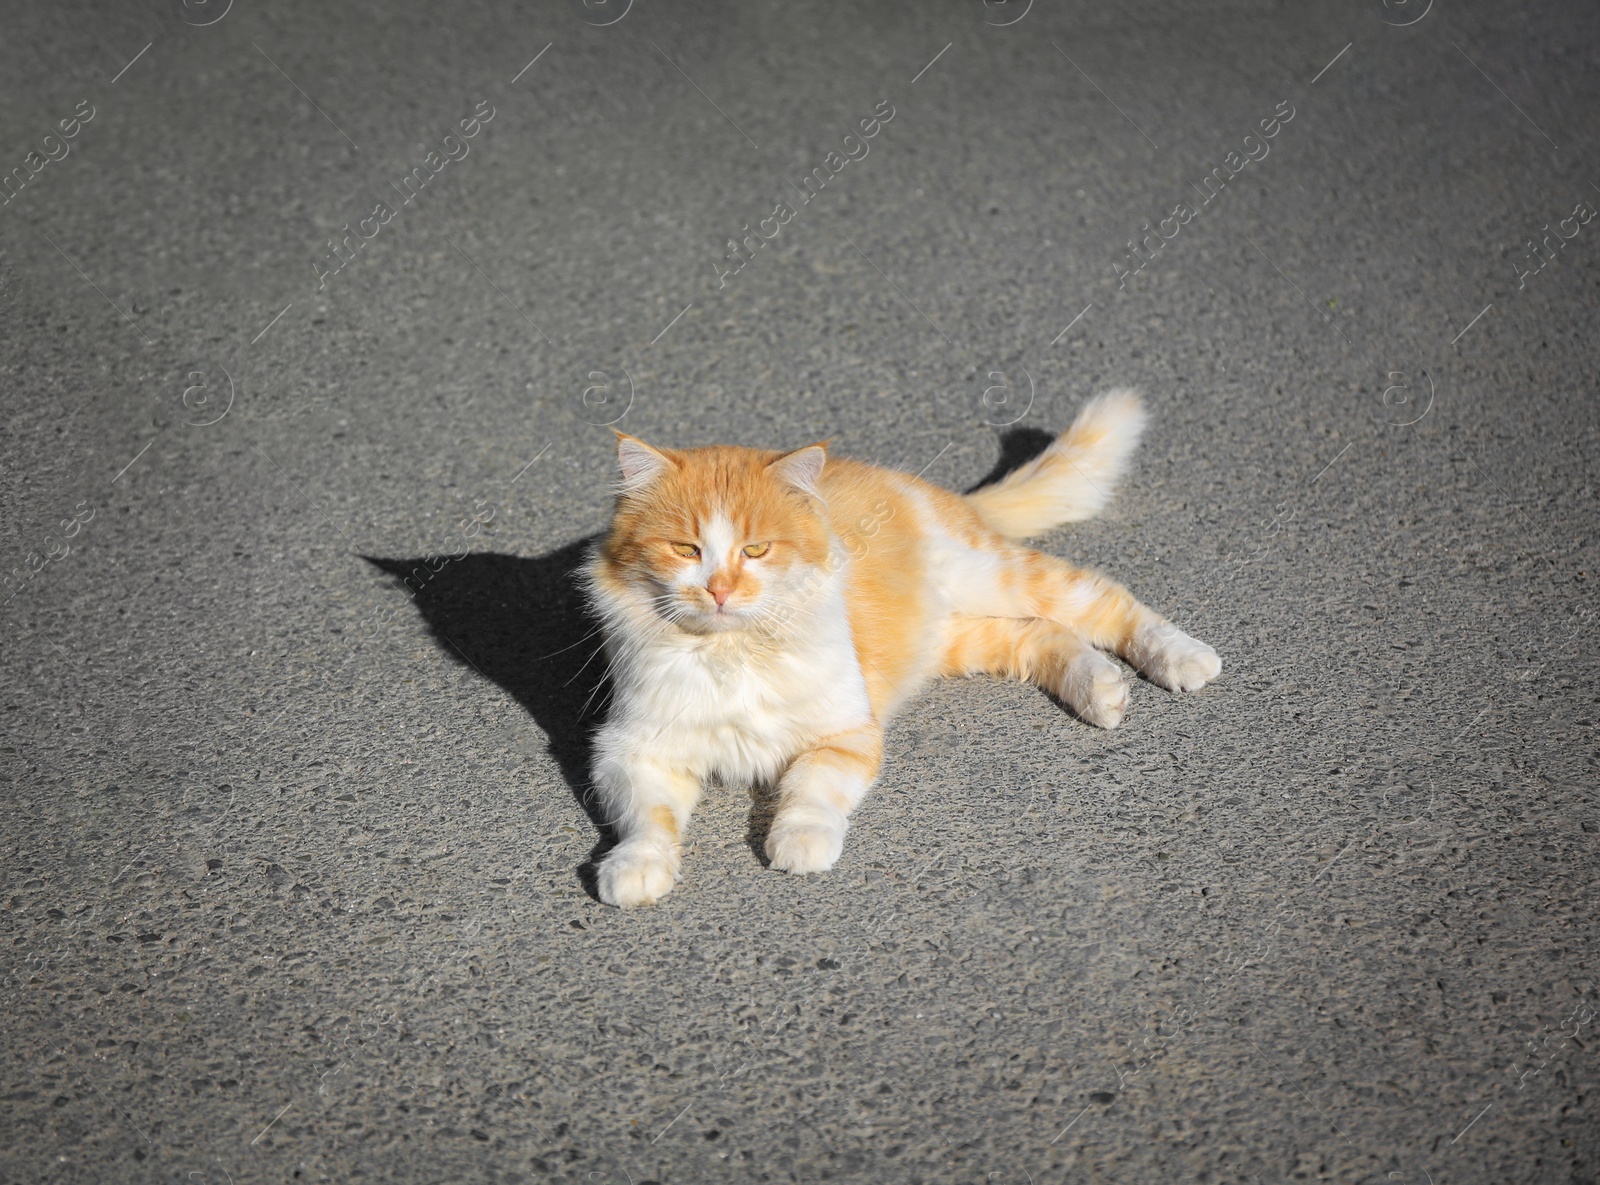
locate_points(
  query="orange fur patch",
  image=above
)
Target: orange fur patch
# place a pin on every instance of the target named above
(665, 822)
(887, 602)
(1018, 648)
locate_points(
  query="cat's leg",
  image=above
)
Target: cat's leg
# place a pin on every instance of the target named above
(816, 795)
(1044, 652)
(648, 804)
(1110, 617)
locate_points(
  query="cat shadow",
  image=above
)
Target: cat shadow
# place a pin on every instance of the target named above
(524, 624)
(1018, 446)
(763, 807)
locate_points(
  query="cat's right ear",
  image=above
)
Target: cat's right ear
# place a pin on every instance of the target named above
(638, 463)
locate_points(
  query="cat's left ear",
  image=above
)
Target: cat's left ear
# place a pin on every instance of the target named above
(802, 468)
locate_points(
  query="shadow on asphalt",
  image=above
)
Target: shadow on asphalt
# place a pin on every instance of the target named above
(522, 622)
(1017, 447)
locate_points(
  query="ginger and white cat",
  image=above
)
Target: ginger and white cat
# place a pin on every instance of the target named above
(766, 613)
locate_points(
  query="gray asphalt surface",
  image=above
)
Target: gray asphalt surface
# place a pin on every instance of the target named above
(293, 883)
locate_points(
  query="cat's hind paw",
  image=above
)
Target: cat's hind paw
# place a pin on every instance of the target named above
(1093, 687)
(1173, 659)
(634, 874)
(804, 847)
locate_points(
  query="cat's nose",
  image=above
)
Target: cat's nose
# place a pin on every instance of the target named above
(719, 593)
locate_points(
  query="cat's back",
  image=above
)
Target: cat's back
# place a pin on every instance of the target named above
(880, 518)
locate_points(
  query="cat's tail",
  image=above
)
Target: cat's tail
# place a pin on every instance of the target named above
(1073, 478)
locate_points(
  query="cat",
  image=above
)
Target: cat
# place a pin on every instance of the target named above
(766, 613)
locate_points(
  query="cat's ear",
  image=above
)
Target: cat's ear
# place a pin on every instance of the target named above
(802, 468)
(638, 462)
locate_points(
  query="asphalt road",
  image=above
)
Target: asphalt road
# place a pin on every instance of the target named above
(293, 861)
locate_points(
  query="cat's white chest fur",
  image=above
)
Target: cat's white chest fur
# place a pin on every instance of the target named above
(739, 706)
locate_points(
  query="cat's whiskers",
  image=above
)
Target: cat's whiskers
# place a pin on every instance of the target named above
(574, 646)
(585, 666)
(606, 684)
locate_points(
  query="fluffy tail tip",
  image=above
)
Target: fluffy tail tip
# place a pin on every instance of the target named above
(1116, 416)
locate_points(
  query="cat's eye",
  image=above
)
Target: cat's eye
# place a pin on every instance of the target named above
(756, 550)
(687, 550)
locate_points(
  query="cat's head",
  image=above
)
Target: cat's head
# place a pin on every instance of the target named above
(715, 539)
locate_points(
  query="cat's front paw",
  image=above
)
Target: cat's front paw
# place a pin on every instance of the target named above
(804, 847)
(634, 874)
(1176, 661)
